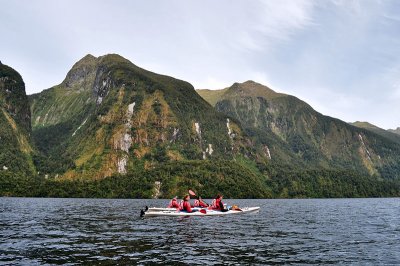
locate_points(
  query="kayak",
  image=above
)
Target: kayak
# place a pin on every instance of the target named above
(204, 212)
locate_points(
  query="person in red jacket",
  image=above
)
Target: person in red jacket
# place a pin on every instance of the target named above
(217, 204)
(200, 203)
(186, 204)
(174, 203)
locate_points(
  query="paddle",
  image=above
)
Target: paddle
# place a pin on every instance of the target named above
(191, 192)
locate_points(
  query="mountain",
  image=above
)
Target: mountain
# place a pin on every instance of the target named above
(385, 133)
(293, 134)
(111, 117)
(396, 131)
(16, 152)
(112, 129)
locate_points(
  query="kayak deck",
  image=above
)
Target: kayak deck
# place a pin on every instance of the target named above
(174, 212)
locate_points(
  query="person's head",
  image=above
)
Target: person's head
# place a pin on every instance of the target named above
(219, 196)
(199, 198)
(186, 197)
(175, 198)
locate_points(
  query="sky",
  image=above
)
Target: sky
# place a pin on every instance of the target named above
(341, 57)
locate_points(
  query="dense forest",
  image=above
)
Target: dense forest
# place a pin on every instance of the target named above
(233, 179)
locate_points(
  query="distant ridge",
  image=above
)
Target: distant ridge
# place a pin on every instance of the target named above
(389, 134)
(396, 131)
(291, 132)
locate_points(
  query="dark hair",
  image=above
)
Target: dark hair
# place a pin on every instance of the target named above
(218, 196)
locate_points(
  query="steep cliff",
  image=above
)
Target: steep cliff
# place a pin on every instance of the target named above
(15, 125)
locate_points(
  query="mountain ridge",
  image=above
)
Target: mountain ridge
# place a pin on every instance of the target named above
(127, 112)
(396, 131)
(113, 129)
(300, 134)
(380, 131)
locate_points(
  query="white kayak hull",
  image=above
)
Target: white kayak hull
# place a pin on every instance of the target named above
(173, 212)
(157, 209)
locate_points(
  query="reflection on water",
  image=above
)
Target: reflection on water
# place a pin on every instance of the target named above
(76, 231)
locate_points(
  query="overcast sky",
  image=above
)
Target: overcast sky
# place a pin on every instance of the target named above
(342, 57)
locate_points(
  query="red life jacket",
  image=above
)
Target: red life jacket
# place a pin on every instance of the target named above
(173, 204)
(215, 204)
(186, 206)
(196, 203)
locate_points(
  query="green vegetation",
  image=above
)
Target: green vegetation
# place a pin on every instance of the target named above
(15, 142)
(114, 130)
(298, 135)
(330, 184)
(207, 178)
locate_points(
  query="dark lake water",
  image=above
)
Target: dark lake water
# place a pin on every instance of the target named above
(37, 231)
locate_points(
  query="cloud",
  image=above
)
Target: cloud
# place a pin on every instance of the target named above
(391, 78)
(269, 23)
(337, 54)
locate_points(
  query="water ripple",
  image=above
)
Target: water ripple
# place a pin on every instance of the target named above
(86, 231)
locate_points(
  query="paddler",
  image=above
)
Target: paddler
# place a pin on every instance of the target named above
(217, 204)
(185, 204)
(174, 203)
(200, 203)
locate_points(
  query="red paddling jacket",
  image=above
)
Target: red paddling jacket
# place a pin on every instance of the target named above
(217, 204)
(173, 203)
(185, 206)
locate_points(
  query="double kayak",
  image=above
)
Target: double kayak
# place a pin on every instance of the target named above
(154, 211)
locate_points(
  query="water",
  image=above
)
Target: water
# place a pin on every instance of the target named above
(102, 231)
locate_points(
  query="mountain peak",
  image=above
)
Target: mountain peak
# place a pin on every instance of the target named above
(84, 61)
(363, 124)
(248, 88)
(88, 57)
(80, 70)
(115, 57)
(253, 89)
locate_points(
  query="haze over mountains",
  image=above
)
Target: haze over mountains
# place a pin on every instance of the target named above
(111, 123)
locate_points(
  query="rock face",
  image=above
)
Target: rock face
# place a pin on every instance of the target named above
(109, 116)
(15, 124)
(13, 97)
(289, 131)
(396, 131)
